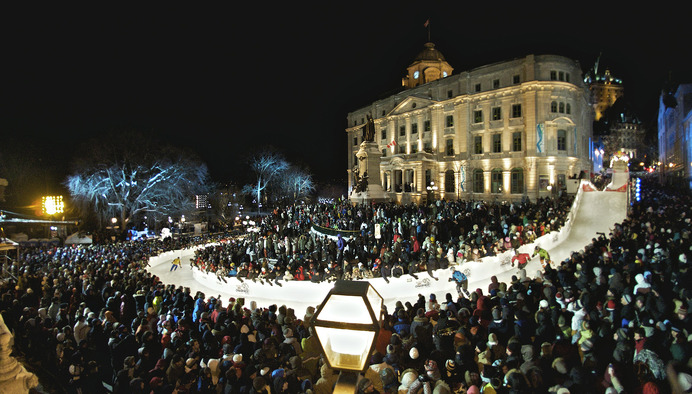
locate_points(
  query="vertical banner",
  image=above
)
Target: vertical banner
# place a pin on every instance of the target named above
(540, 138)
(575, 141)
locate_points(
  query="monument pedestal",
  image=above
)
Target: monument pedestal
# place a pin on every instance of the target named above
(368, 173)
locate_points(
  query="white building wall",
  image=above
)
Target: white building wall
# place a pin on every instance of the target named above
(430, 101)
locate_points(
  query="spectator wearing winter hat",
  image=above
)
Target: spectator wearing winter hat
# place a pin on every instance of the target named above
(428, 379)
(432, 304)
(679, 346)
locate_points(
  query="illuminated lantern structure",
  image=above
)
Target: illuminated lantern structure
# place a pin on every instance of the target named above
(346, 324)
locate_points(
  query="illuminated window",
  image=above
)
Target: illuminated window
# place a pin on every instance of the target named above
(478, 145)
(517, 181)
(497, 113)
(497, 143)
(478, 116)
(496, 180)
(562, 139)
(516, 141)
(478, 186)
(450, 147)
(449, 181)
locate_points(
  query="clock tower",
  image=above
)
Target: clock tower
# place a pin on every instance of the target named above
(430, 65)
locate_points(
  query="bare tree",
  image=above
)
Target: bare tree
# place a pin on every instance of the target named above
(297, 183)
(266, 166)
(159, 182)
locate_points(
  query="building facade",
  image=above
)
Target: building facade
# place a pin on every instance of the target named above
(605, 91)
(675, 136)
(625, 137)
(511, 130)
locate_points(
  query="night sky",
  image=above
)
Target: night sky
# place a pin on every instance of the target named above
(227, 82)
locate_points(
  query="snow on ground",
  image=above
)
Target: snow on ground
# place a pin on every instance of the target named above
(593, 212)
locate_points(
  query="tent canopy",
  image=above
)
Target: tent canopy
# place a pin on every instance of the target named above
(78, 238)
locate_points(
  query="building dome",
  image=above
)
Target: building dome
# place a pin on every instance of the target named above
(430, 54)
(428, 66)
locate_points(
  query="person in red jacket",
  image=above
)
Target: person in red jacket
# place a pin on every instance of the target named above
(522, 259)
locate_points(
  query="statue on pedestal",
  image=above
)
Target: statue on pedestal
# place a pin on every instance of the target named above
(369, 130)
(366, 173)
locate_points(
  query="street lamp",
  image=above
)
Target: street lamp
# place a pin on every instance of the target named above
(346, 324)
(432, 188)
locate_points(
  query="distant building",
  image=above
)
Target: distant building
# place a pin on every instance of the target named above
(620, 130)
(625, 137)
(510, 130)
(605, 90)
(675, 135)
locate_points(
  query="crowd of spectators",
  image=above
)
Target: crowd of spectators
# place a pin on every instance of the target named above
(383, 240)
(611, 318)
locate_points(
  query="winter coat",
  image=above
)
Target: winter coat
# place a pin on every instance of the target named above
(325, 384)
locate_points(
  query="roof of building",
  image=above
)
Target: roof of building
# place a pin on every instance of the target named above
(430, 54)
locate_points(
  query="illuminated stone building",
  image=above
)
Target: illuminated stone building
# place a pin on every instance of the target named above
(510, 130)
(625, 137)
(605, 91)
(675, 136)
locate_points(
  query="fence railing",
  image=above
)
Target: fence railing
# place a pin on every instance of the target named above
(334, 232)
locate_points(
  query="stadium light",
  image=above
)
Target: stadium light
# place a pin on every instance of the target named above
(52, 205)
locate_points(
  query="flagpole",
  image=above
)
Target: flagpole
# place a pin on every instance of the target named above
(427, 25)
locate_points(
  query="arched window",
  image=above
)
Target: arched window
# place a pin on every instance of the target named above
(449, 181)
(478, 186)
(496, 181)
(517, 181)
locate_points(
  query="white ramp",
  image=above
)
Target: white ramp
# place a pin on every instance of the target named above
(593, 212)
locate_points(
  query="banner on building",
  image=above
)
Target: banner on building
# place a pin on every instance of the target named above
(575, 140)
(540, 138)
